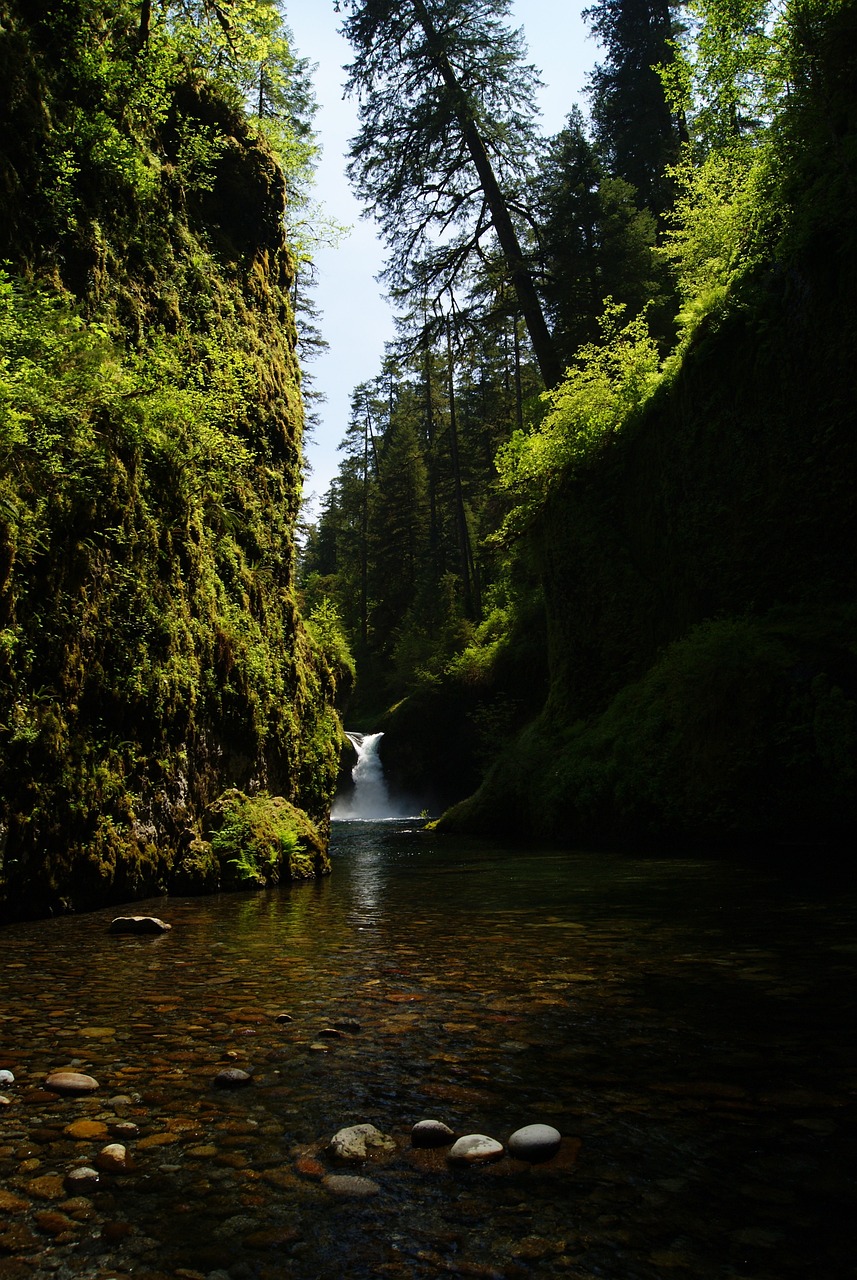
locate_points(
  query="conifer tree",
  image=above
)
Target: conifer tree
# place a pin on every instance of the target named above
(637, 134)
(446, 109)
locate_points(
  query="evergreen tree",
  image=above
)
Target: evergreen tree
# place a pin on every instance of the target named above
(637, 134)
(446, 131)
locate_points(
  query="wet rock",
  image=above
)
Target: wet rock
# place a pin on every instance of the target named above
(10, 1203)
(81, 1179)
(431, 1133)
(535, 1142)
(113, 1158)
(72, 1082)
(48, 1187)
(359, 1141)
(331, 1033)
(474, 1148)
(309, 1167)
(54, 1224)
(6, 1078)
(349, 1025)
(4, 1101)
(232, 1078)
(125, 1129)
(139, 924)
(345, 1184)
(86, 1129)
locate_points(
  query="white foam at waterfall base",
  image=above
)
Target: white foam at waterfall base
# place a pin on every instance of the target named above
(370, 799)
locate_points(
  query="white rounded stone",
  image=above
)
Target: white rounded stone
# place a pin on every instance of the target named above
(475, 1147)
(535, 1142)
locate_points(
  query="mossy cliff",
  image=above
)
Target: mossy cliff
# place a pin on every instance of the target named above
(151, 654)
(701, 590)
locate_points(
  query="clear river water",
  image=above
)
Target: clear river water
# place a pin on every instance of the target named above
(688, 1026)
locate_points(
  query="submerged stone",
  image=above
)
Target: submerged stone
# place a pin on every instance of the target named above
(345, 1184)
(474, 1148)
(138, 924)
(232, 1078)
(535, 1142)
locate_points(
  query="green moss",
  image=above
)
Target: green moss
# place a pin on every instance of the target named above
(260, 840)
(741, 731)
(151, 651)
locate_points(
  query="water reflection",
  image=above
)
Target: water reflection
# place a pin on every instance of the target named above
(688, 1026)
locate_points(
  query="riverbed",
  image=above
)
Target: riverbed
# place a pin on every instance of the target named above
(687, 1025)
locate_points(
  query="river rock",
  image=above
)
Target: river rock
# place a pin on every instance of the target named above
(81, 1180)
(138, 924)
(232, 1078)
(113, 1158)
(474, 1148)
(431, 1133)
(4, 1101)
(86, 1130)
(345, 1184)
(535, 1142)
(6, 1078)
(359, 1141)
(71, 1082)
(351, 1025)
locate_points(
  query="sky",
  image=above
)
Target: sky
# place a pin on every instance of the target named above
(356, 320)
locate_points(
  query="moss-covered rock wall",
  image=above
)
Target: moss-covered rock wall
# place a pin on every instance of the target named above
(151, 653)
(701, 584)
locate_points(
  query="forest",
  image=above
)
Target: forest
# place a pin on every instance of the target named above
(588, 560)
(591, 537)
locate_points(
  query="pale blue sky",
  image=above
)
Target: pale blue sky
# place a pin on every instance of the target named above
(356, 320)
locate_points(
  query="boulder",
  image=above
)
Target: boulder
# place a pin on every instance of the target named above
(475, 1148)
(431, 1133)
(359, 1141)
(535, 1142)
(138, 924)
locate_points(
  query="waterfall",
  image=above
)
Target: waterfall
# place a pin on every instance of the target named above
(370, 798)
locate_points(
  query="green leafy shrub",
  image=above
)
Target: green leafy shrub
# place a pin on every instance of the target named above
(260, 840)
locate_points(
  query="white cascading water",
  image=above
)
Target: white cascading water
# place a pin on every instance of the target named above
(370, 797)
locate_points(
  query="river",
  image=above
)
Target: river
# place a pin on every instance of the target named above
(688, 1026)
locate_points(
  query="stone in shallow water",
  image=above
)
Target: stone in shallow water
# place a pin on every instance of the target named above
(83, 1129)
(345, 1184)
(232, 1078)
(139, 924)
(6, 1078)
(347, 1024)
(81, 1179)
(113, 1158)
(535, 1142)
(359, 1141)
(431, 1133)
(475, 1147)
(71, 1082)
(10, 1203)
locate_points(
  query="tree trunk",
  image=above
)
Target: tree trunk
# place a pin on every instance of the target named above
(549, 363)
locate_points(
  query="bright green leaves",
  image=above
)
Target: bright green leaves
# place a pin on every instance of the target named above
(606, 383)
(721, 78)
